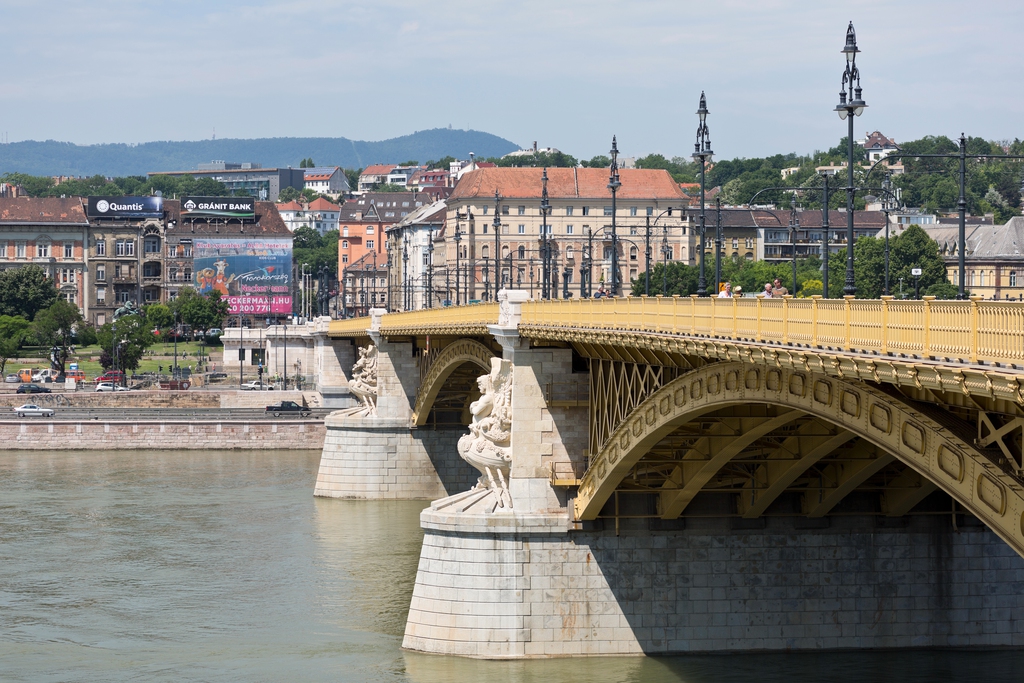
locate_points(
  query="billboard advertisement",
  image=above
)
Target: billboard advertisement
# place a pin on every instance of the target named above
(125, 207)
(218, 207)
(252, 273)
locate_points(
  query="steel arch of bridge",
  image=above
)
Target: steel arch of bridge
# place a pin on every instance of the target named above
(929, 449)
(444, 364)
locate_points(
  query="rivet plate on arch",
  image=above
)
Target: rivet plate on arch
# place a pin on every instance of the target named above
(849, 402)
(798, 384)
(880, 418)
(950, 462)
(913, 437)
(992, 493)
(823, 392)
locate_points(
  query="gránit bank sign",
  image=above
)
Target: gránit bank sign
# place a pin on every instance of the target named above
(218, 207)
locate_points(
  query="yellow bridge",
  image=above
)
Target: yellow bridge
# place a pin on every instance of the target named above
(756, 407)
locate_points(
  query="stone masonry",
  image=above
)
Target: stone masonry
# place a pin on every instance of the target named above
(382, 458)
(167, 434)
(526, 588)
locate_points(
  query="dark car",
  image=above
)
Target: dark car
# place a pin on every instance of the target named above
(289, 407)
(33, 389)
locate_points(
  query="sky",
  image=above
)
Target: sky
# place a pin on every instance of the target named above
(564, 73)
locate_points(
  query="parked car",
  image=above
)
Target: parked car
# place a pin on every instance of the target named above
(256, 385)
(32, 410)
(33, 389)
(25, 374)
(111, 376)
(289, 407)
(12, 378)
(105, 386)
(45, 375)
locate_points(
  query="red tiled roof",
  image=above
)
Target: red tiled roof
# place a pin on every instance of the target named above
(42, 210)
(377, 169)
(583, 183)
(290, 206)
(318, 176)
(321, 204)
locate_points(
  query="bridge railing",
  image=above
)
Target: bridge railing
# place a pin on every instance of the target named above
(471, 319)
(969, 331)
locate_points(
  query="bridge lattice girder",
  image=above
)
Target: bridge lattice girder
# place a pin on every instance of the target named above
(889, 428)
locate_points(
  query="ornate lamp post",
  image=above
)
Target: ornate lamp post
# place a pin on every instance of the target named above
(666, 254)
(647, 256)
(794, 226)
(718, 243)
(405, 273)
(587, 265)
(824, 237)
(497, 250)
(458, 253)
(545, 255)
(847, 109)
(702, 152)
(613, 186)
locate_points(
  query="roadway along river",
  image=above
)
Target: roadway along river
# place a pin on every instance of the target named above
(221, 566)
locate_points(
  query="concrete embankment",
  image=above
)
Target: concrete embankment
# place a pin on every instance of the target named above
(75, 427)
(170, 434)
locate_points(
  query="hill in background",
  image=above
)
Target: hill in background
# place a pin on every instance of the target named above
(52, 158)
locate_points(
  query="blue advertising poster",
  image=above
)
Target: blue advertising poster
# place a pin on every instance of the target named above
(253, 274)
(125, 207)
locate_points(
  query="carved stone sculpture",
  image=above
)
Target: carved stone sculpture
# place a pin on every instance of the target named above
(488, 446)
(364, 381)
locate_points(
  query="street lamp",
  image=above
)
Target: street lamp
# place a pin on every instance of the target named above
(718, 243)
(794, 226)
(545, 255)
(613, 185)
(458, 252)
(847, 110)
(702, 152)
(497, 249)
(587, 266)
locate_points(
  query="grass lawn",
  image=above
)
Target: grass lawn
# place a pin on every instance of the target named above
(87, 357)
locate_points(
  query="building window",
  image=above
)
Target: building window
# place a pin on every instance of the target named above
(3, 250)
(586, 210)
(101, 273)
(522, 229)
(101, 296)
(1013, 278)
(735, 242)
(122, 297)
(568, 252)
(504, 211)
(632, 211)
(344, 231)
(124, 248)
(43, 250)
(152, 245)
(369, 244)
(750, 243)
(484, 252)
(69, 250)
(369, 229)
(568, 230)
(607, 211)
(484, 210)
(522, 252)
(101, 319)
(522, 210)
(344, 258)
(101, 247)
(68, 276)
(632, 253)
(19, 250)
(650, 210)
(344, 244)
(568, 211)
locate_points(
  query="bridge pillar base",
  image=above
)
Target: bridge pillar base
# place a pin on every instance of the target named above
(380, 458)
(519, 585)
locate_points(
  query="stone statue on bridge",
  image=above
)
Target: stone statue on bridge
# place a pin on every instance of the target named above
(488, 445)
(364, 381)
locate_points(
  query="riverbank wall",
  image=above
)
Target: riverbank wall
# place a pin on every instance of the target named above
(196, 399)
(160, 434)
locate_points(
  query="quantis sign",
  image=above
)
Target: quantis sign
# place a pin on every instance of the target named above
(218, 207)
(125, 207)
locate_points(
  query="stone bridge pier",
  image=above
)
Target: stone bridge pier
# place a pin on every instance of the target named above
(634, 494)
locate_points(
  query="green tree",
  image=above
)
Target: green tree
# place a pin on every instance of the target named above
(55, 328)
(132, 336)
(200, 312)
(85, 335)
(410, 163)
(25, 291)
(34, 186)
(442, 163)
(599, 161)
(352, 175)
(12, 333)
(288, 194)
(159, 316)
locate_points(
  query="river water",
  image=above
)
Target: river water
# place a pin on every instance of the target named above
(221, 566)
